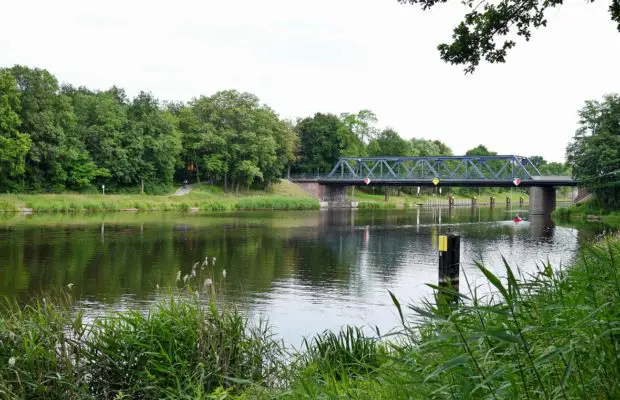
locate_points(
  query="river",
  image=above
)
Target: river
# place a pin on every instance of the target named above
(304, 271)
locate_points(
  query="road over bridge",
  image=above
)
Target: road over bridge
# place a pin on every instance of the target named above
(461, 171)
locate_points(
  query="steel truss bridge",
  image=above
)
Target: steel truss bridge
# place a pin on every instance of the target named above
(489, 171)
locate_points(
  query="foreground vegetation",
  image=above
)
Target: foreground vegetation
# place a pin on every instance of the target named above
(552, 334)
(280, 196)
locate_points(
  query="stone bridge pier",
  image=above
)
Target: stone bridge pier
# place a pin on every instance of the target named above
(542, 200)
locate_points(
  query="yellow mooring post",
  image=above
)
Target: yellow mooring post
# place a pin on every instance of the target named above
(449, 262)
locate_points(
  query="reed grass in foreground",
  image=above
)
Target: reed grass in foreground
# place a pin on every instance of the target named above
(181, 349)
(552, 335)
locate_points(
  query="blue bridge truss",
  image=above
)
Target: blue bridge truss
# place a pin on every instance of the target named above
(448, 170)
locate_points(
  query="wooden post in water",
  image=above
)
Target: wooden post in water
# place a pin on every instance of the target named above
(474, 200)
(507, 202)
(492, 201)
(521, 202)
(449, 263)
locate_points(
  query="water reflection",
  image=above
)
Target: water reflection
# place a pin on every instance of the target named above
(305, 271)
(542, 227)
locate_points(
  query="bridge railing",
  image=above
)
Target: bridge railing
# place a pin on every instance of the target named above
(442, 167)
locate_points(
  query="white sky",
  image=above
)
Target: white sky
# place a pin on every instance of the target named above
(329, 56)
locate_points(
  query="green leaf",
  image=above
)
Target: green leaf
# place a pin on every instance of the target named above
(495, 281)
(448, 290)
(504, 335)
(513, 285)
(568, 370)
(455, 362)
(397, 304)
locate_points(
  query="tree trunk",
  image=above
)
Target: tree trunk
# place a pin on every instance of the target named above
(225, 182)
(141, 185)
(387, 194)
(197, 174)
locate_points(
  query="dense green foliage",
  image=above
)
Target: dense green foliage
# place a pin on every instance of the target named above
(231, 138)
(324, 139)
(594, 152)
(548, 335)
(181, 349)
(483, 31)
(55, 138)
(550, 168)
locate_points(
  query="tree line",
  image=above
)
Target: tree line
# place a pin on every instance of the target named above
(57, 137)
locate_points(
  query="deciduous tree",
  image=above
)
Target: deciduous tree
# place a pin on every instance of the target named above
(594, 153)
(324, 139)
(487, 31)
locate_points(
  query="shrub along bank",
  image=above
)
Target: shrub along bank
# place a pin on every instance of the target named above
(587, 212)
(552, 334)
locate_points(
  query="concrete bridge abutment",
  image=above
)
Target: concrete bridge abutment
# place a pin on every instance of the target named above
(542, 200)
(333, 193)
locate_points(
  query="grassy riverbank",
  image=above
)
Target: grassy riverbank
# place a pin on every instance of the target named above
(280, 196)
(587, 212)
(550, 335)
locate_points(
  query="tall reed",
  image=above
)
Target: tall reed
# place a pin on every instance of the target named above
(552, 334)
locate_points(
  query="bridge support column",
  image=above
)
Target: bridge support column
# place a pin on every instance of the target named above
(542, 200)
(332, 193)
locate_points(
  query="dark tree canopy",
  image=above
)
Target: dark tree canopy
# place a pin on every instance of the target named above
(483, 33)
(594, 153)
(480, 150)
(324, 139)
(389, 143)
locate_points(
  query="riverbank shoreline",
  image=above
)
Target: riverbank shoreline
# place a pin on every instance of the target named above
(583, 213)
(280, 196)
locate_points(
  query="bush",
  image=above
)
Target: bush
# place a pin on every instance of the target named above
(347, 353)
(181, 349)
(177, 346)
(276, 203)
(39, 350)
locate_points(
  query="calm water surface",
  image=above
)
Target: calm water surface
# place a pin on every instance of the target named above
(304, 271)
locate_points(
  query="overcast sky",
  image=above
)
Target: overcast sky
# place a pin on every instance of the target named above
(330, 56)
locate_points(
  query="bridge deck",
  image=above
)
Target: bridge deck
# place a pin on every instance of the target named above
(544, 181)
(476, 171)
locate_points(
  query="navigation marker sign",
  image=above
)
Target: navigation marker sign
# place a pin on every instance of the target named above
(517, 181)
(367, 180)
(436, 181)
